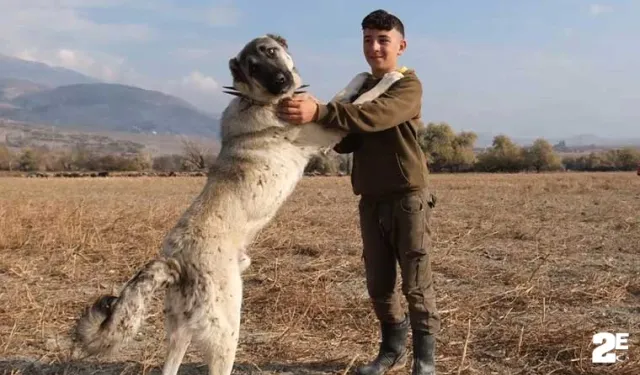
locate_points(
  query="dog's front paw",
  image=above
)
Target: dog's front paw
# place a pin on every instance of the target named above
(351, 90)
(325, 150)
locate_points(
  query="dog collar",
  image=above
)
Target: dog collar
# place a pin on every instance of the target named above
(233, 91)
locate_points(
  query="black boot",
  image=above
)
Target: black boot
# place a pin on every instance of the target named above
(392, 354)
(424, 353)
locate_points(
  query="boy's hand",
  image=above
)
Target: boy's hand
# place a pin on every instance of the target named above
(298, 110)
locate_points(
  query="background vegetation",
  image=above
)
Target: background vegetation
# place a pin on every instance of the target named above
(447, 151)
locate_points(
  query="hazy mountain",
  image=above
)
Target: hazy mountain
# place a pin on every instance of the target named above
(38, 93)
(10, 88)
(11, 67)
(111, 107)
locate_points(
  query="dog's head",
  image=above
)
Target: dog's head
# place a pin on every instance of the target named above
(264, 71)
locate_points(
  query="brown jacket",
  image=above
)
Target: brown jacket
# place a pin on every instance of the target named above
(387, 157)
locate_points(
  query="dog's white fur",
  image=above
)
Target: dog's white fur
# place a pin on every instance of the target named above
(261, 160)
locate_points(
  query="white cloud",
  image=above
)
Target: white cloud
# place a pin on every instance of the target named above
(45, 21)
(74, 59)
(103, 66)
(598, 9)
(200, 82)
(198, 88)
(59, 33)
(29, 55)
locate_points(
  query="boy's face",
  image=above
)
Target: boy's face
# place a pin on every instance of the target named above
(381, 49)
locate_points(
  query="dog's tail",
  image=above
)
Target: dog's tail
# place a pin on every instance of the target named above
(111, 320)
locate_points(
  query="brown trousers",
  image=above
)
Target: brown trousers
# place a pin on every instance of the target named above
(395, 230)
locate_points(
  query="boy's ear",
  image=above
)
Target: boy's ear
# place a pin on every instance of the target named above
(403, 47)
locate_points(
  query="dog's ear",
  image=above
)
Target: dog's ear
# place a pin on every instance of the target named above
(281, 41)
(234, 67)
(236, 72)
(233, 64)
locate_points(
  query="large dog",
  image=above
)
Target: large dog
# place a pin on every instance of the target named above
(260, 162)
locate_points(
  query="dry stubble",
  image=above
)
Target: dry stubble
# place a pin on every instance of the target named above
(527, 268)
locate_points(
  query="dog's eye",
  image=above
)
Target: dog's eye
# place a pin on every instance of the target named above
(271, 51)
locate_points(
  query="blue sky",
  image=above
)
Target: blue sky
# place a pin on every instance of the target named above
(552, 68)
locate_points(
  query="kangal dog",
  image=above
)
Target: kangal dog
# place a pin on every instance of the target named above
(203, 256)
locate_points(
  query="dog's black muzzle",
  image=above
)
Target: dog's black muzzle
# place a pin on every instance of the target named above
(280, 83)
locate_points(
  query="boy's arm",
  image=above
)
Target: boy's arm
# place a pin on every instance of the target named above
(401, 102)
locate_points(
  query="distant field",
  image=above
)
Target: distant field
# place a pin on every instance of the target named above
(527, 268)
(31, 135)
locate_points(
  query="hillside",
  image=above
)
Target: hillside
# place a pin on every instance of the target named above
(10, 88)
(11, 67)
(37, 93)
(111, 107)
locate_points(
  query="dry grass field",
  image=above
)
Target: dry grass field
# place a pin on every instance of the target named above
(527, 269)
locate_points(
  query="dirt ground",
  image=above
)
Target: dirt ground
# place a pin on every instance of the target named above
(527, 268)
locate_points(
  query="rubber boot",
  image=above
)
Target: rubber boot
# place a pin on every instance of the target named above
(424, 349)
(392, 354)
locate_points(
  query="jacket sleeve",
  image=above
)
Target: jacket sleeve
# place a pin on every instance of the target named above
(350, 143)
(400, 103)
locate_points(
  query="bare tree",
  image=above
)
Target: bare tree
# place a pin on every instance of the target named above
(6, 158)
(196, 156)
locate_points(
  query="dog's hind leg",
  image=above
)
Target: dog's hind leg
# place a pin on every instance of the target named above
(178, 344)
(220, 325)
(220, 351)
(178, 340)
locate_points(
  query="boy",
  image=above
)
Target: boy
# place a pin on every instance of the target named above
(390, 174)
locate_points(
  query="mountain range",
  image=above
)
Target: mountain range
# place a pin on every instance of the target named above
(34, 92)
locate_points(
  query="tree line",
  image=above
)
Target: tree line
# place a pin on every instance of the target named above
(193, 157)
(446, 151)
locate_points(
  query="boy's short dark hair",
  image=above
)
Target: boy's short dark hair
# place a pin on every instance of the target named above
(382, 20)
